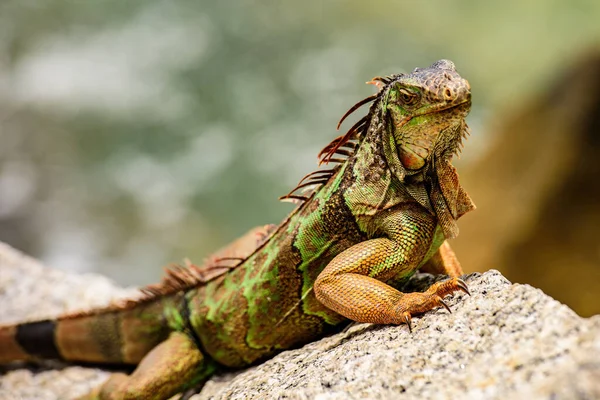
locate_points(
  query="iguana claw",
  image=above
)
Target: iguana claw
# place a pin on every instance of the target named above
(463, 286)
(443, 303)
(407, 320)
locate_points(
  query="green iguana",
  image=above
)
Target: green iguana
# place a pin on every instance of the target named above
(383, 210)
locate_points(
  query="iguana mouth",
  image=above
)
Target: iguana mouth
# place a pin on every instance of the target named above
(465, 103)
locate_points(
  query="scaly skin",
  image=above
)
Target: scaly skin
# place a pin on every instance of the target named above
(373, 220)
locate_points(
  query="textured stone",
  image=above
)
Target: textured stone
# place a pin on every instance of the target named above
(505, 341)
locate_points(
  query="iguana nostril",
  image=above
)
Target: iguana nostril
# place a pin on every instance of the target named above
(448, 93)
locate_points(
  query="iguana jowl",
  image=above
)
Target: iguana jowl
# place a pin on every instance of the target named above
(380, 213)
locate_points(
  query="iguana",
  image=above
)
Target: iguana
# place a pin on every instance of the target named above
(383, 209)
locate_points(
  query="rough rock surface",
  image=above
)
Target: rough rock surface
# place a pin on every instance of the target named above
(505, 341)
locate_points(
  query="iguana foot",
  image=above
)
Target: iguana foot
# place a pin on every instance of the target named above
(165, 371)
(418, 303)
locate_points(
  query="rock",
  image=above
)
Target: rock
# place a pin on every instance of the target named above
(505, 341)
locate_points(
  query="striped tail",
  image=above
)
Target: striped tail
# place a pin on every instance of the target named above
(28, 341)
(116, 335)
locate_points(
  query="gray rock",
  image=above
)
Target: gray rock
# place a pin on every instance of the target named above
(505, 341)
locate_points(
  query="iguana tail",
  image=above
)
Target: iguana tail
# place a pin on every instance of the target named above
(121, 334)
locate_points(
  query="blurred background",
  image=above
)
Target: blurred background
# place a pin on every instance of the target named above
(137, 133)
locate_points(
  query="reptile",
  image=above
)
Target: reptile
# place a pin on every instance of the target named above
(382, 207)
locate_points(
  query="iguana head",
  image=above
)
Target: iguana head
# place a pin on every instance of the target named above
(427, 110)
(416, 123)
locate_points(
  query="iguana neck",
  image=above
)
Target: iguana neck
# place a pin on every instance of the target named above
(381, 181)
(375, 185)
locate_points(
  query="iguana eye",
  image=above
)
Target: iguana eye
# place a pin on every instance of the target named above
(407, 97)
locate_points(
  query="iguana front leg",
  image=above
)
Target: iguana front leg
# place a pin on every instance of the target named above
(171, 367)
(353, 285)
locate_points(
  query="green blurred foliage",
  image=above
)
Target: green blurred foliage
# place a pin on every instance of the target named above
(137, 133)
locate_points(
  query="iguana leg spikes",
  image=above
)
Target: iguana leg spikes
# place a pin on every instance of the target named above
(171, 367)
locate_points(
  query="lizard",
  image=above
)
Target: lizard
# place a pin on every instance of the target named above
(383, 209)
